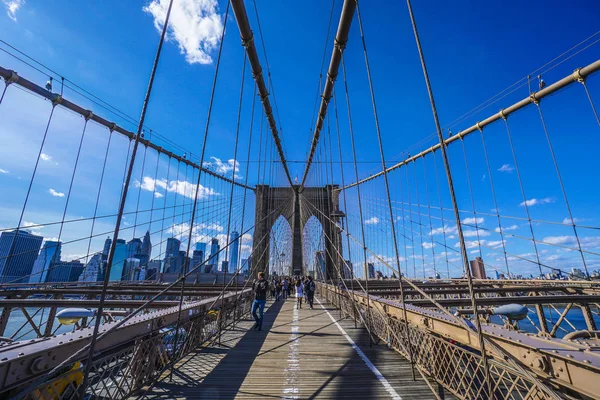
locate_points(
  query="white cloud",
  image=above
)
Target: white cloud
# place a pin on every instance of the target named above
(506, 168)
(55, 193)
(3, 171)
(586, 241)
(27, 224)
(183, 188)
(506, 228)
(473, 221)
(45, 157)
(158, 195)
(195, 25)
(474, 232)
(470, 244)
(427, 245)
(372, 221)
(534, 202)
(223, 168)
(569, 221)
(12, 6)
(495, 244)
(444, 229)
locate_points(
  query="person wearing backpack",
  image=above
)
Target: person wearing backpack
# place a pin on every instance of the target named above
(260, 288)
(310, 291)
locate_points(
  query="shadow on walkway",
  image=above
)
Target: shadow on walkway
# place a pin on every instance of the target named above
(217, 372)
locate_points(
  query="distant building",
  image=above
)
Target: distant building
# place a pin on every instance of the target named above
(225, 266)
(478, 268)
(214, 251)
(49, 254)
(131, 269)
(246, 265)
(371, 270)
(320, 270)
(235, 250)
(146, 250)
(379, 275)
(197, 258)
(173, 246)
(106, 249)
(577, 273)
(65, 271)
(348, 270)
(134, 247)
(154, 267)
(173, 262)
(94, 270)
(118, 264)
(16, 265)
(201, 247)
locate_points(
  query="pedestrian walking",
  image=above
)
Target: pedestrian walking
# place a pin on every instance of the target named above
(278, 287)
(310, 288)
(299, 293)
(272, 288)
(260, 288)
(285, 288)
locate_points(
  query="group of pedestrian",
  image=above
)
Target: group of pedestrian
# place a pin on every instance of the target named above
(280, 289)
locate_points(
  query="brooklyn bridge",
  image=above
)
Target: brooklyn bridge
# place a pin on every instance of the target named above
(462, 263)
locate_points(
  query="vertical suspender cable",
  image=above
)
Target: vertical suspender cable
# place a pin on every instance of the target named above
(111, 253)
(360, 210)
(387, 185)
(461, 238)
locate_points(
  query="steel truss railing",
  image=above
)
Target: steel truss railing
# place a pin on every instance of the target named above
(448, 353)
(130, 358)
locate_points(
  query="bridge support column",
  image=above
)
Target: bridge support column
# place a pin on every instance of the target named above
(297, 230)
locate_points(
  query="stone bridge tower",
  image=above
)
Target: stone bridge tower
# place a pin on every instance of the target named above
(291, 203)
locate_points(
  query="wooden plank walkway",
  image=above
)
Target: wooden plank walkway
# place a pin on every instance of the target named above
(300, 354)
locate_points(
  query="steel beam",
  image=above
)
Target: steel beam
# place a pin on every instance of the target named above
(11, 77)
(341, 38)
(578, 75)
(239, 9)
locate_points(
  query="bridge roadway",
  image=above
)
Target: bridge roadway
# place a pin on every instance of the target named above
(300, 354)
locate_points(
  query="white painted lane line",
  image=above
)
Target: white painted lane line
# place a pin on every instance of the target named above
(291, 391)
(364, 357)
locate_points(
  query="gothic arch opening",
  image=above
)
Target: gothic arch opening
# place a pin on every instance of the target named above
(313, 248)
(280, 248)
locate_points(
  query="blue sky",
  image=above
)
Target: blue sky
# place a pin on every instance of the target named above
(474, 50)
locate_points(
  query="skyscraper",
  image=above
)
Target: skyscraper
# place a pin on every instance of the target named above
(235, 250)
(106, 249)
(478, 268)
(118, 264)
(50, 254)
(198, 257)
(172, 247)
(134, 247)
(94, 270)
(153, 270)
(201, 247)
(146, 250)
(65, 271)
(131, 269)
(225, 266)
(214, 252)
(172, 259)
(371, 270)
(16, 265)
(320, 265)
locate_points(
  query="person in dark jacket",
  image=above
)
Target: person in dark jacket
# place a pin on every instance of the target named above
(260, 288)
(310, 288)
